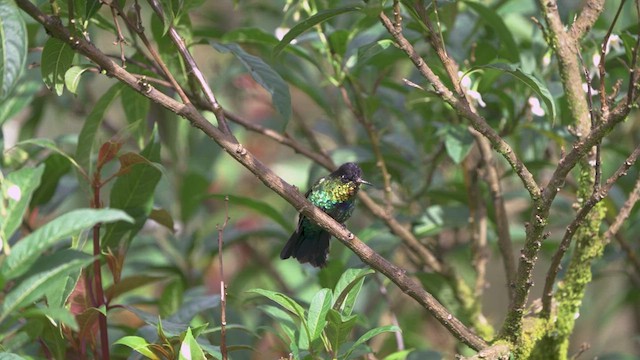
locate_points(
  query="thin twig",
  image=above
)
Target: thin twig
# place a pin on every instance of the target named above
(478, 219)
(119, 37)
(462, 107)
(358, 113)
(595, 198)
(505, 245)
(139, 30)
(602, 71)
(195, 70)
(223, 286)
(288, 192)
(597, 166)
(624, 213)
(392, 314)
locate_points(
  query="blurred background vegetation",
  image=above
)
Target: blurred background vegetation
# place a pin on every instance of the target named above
(425, 146)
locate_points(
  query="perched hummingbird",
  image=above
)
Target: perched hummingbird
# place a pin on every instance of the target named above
(335, 194)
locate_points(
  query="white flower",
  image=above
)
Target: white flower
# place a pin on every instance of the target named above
(536, 109)
(614, 42)
(281, 32)
(14, 192)
(466, 84)
(585, 88)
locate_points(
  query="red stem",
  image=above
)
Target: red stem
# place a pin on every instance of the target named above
(97, 275)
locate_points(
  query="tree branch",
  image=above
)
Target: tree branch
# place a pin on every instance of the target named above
(268, 177)
(595, 198)
(588, 16)
(461, 106)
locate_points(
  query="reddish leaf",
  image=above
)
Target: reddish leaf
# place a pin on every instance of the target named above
(108, 152)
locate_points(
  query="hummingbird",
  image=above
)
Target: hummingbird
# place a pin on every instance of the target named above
(335, 194)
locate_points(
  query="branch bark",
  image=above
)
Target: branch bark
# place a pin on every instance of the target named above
(236, 150)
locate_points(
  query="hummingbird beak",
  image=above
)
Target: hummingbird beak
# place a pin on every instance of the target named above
(362, 181)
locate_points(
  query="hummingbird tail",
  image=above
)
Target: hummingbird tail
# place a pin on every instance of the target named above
(308, 248)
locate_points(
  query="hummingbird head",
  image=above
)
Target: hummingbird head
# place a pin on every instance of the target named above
(350, 172)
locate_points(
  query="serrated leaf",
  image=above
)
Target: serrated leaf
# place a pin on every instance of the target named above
(350, 282)
(57, 57)
(73, 75)
(13, 47)
(264, 75)
(189, 348)
(312, 21)
(528, 79)
(35, 286)
(138, 344)
(492, 19)
(30, 248)
(258, 206)
(317, 317)
(16, 192)
(89, 130)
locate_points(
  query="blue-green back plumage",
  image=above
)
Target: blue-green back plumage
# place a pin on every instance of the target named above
(335, 194)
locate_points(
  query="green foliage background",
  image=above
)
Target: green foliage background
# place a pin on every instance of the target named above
(167, 188)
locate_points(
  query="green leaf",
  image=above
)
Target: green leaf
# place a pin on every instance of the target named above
(51, 145)
(282, 300)
(348, 287)
(57, 57)
(339, 327)
(60, 315)
(457, 140)
(286, 324)
(509, 50)
(317, 317)
(264, 75)
(13, 47)
(91, 8)
(73, 75)
(189, 349)
(58, 265)
(528, 79)
(136, 108)
(129, 283)
(312, 21)
(368, 51)
(10, 356)
(16, 193)
(138, 344)
(258, 206)
(21, 97)
(133, 192)
(437, 217)
(30, 249)
(370, 334)
(56, 166)
(399, 355)
(89, 130)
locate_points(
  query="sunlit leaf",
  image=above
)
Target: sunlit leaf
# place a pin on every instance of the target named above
(57, 57)
(312, 21)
